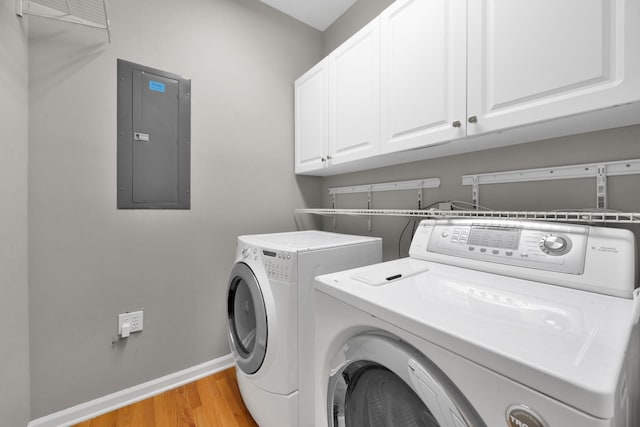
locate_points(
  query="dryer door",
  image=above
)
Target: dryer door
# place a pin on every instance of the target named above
(378, 381)
(247, 319)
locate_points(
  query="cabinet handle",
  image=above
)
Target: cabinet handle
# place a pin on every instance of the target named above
(473, 119)
(457, 124)
(328, 157)
(323, 159)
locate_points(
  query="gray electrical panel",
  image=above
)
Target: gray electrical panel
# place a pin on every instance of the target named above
(154, 132)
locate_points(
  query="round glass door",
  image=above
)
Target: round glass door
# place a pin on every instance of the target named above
(378, 381)
(377, 397)
(247, 319)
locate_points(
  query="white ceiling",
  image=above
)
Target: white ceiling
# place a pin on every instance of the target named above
(319, 14)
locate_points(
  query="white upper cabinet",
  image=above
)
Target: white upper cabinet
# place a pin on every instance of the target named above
(354, 96)
(532, 61)
(424, 73)
(431, 78)
(312, 119)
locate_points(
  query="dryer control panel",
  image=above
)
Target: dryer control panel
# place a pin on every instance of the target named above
(597, 259)
(559, 249)
(552, 247)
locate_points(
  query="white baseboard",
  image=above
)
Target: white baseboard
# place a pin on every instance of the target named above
(119, 399)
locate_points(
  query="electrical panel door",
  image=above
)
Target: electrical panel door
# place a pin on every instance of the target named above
(153, 138)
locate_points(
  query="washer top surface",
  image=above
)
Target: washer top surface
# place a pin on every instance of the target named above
(563, 342)
(300, 241)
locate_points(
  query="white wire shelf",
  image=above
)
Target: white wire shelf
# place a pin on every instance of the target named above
(88, 13)
(577, 216)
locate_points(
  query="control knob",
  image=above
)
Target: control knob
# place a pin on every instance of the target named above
(246, 252)
(553, 244)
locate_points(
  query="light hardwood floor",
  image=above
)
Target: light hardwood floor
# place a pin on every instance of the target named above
(213, 401)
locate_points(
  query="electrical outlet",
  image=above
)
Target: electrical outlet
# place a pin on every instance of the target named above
(134, 319)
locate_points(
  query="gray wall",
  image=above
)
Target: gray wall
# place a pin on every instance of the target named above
(615, 144)
(89, 261)
(14, 309)
(358, 15)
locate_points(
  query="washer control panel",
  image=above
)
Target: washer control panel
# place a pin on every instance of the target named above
(278, 264)
(552, 247)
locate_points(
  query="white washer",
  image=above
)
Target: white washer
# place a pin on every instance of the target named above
(269, 303)
(486, 324)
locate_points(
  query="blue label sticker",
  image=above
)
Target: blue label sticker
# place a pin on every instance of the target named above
(156, 86)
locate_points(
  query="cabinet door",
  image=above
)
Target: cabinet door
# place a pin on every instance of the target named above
(531, 61)
(424, 73)
(311, 119)
(354, 96)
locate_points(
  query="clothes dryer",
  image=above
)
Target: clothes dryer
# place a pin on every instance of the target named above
(270, 303)
(488, 323)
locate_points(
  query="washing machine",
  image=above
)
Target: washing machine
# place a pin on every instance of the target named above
(486, 324)
(270, 302)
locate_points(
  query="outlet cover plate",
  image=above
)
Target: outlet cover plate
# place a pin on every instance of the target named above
(134, 318)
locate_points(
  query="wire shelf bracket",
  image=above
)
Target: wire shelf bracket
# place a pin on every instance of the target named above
(388, 186)
(418, 184)
(88, 13)
(599, 171)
